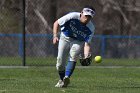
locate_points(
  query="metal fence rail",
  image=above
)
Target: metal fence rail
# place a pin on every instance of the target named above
(40, 46)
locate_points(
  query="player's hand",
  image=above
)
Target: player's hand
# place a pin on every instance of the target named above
(55, 40)
(85, 61)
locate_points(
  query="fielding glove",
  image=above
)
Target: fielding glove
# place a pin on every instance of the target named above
(86, 61)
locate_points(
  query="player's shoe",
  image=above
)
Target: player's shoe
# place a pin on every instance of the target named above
(60, 84)
(66, 81)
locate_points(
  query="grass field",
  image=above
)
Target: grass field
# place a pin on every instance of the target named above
(92, 79)
(84, 80)
(51, 61)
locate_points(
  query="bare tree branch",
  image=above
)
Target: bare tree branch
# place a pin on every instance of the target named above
(118, 8)
(43, 20)
(107, 4)
(122, 13)
(132, 8)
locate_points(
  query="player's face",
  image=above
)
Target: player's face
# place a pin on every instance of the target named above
(85, 18)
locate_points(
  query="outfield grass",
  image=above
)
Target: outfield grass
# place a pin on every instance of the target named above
(84, 80)
(92, 79)
(51, 61)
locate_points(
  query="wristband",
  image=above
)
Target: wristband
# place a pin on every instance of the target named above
(55, 35)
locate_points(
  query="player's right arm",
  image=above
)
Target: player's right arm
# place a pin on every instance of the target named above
(55, 32)
(61, 21)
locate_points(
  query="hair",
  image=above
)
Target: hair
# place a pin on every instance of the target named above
(87, 6)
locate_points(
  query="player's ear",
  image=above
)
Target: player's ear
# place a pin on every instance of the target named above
(81, 14)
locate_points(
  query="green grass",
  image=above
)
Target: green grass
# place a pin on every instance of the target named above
(92, 79)
(84, 80)
(51, 61)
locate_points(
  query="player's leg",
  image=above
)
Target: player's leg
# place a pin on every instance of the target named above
(75, 49)
(61, 60)
(74, 52)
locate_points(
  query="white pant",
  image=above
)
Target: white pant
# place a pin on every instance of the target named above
(67, 47)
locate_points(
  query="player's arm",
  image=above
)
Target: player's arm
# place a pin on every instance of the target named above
(87, 49)
(86, 61)
(55, 32)
(87, 46)
(61, 21)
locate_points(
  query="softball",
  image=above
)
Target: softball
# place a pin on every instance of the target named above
(98, 59)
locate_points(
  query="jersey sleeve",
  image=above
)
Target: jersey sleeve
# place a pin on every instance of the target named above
(92, 29)
(67, 17)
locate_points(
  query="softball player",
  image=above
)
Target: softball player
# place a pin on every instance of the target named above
(76, 31)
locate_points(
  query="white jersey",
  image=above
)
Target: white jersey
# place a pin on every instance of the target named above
(72, 27)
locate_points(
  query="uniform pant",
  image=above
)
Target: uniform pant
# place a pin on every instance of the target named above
(68, 48)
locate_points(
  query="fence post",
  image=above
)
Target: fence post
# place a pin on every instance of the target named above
(23, 33)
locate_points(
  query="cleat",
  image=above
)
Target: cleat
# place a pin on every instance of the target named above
(66, 81)
(60, 84)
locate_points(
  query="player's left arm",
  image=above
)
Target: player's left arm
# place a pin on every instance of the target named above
(87, 46)
(87, 49)
(86, 61)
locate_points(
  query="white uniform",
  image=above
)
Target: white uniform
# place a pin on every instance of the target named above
(73, 36)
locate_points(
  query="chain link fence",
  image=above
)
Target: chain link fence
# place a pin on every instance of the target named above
(116, 37)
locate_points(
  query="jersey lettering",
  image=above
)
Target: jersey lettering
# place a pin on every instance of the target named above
(75, 29)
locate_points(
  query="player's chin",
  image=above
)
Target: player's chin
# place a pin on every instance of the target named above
(84, 22)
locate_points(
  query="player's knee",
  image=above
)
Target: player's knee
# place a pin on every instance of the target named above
(59, 65)
(73, 56)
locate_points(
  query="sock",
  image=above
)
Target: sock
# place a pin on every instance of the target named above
(70, 68)
(61, 74)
